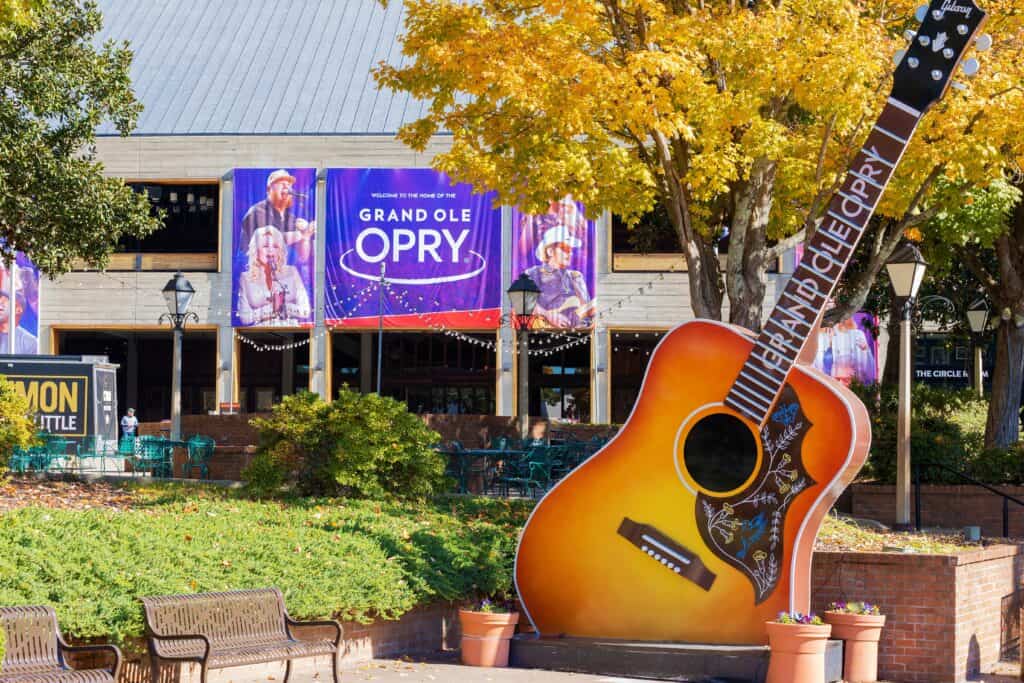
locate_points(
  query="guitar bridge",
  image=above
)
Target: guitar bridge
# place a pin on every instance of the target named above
(674, 557)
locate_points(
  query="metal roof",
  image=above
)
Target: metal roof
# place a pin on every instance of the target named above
(261, 67)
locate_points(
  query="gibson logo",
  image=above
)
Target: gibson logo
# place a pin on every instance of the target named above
(951, 6)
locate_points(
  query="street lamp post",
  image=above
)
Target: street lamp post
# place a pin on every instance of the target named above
(178, 293)
(977, 319)
(523, 296)
(906, 271)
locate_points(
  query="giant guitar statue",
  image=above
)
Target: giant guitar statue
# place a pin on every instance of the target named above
(696, 523)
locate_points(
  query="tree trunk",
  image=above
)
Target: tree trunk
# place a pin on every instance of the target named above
(746, 271)
(1003, 426)
(701, 260)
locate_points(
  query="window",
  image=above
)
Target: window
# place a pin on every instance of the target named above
(631, 351)
(190, 236)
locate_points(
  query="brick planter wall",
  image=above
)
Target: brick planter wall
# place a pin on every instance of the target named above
(944, 506)
(946, 615)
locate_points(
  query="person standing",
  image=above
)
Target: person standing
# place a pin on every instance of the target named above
(129, 423)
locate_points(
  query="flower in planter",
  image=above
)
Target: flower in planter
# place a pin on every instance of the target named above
(798, 618)
(855, 607)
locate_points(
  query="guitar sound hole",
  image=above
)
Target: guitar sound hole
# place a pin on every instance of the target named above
(720, 453)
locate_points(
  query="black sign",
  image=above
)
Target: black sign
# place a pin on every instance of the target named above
(59, 394)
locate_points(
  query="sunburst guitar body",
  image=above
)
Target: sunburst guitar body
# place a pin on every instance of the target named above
(577, 574)
(697, 521)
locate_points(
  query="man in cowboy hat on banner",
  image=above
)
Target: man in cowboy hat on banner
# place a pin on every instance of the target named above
(276, 210)
(564, 301)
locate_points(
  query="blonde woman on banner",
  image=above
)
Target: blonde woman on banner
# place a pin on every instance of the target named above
(270, 291)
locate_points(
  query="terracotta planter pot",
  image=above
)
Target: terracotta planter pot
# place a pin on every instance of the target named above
(798, 652)
(485, 637)
(861, 633)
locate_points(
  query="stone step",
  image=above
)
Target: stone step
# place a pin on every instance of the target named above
(690, 662)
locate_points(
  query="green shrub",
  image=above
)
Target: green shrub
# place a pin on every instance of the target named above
(17, 428)
(361, 445)
(947, 427)
(332, 558)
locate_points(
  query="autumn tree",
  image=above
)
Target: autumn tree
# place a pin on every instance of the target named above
(729, 115)
(56, 87)
(985, 235)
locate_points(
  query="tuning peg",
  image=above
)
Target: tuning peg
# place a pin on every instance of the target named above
(983, 42)
(921, 12)
(898, 57)
(970, 67)
(909, 35)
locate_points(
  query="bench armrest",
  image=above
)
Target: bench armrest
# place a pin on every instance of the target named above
(154, 636)
(325, 622)
(112, 649)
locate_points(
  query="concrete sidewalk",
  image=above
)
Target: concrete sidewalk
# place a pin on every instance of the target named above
(392, 671)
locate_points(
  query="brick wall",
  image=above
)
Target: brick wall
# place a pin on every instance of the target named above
(944, 506)
(945, 617)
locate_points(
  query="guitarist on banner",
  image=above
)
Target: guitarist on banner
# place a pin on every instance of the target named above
(564, 302)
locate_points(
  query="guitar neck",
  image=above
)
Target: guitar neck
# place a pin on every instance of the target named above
(826, 255)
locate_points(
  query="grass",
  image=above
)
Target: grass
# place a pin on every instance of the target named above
(348, 559)
(331, 558)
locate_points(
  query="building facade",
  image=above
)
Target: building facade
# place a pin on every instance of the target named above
(299, 94)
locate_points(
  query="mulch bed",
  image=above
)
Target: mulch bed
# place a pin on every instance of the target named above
(62, 495)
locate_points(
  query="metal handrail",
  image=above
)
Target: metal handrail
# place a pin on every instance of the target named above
(918, 466)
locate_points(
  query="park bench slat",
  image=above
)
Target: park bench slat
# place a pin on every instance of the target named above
(231, 628)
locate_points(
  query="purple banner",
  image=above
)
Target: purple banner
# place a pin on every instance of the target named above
(439, 245)
(556, 250)
(274, 226)
(19, 299)
(849, 350)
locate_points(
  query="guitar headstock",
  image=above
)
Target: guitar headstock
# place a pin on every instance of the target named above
(948, 28)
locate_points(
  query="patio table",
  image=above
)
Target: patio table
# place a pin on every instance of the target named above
(467, 458)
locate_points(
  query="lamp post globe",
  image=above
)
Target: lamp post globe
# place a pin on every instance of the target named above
(906, 268)
(522, 296)
(178, 293)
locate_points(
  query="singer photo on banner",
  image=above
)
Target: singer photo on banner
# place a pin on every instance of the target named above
(19, 306)
(556, 251)
(274, 231)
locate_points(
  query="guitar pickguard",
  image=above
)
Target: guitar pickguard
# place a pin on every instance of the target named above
(746, 529)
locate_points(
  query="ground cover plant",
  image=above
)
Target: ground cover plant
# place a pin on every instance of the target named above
(347, 559)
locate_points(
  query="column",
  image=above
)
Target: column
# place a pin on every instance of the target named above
(227, 370)
(600, 387)
(506, 357)
(318, 365)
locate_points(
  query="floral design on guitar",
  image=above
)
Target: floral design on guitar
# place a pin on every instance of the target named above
(745, 529)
